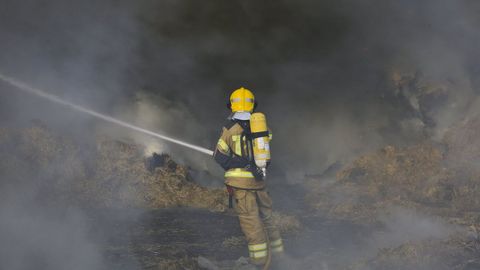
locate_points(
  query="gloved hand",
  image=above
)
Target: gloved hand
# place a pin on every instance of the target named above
(256, 171)
(237, 161)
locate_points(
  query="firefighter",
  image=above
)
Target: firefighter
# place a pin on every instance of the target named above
(245, 180)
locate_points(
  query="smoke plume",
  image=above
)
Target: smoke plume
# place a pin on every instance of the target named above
(335, 78)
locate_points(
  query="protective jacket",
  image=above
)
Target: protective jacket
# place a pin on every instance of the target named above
(233, 153)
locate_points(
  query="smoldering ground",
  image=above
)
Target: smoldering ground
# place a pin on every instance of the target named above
(325, 72)
(43, 238)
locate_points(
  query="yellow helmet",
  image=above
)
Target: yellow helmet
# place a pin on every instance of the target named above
(242, 100)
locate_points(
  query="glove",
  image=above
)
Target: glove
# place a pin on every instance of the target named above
(256, 171)
(237, 161)
(230, 161)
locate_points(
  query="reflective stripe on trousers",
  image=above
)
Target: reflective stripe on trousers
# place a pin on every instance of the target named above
(239, 173)
(276, 246)
(258, 251)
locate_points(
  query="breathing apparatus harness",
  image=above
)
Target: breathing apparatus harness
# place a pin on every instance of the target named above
(246, 141)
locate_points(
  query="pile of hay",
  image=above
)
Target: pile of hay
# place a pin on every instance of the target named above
(107, 174)
(417, 177)
(454, 253)
(463, 145)
(412, 175)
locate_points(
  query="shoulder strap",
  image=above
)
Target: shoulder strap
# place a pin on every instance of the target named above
(259, 134)
(247, 148)
(229, 124)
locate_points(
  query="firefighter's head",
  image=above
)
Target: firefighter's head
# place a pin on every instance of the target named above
(242, 100)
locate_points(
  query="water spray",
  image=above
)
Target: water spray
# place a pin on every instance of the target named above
(40, 93)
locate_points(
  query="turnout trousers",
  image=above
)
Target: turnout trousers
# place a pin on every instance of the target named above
(254, 210)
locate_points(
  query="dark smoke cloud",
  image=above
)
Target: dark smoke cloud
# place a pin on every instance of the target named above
(319, 68)
(80, 50)
(328, 62)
